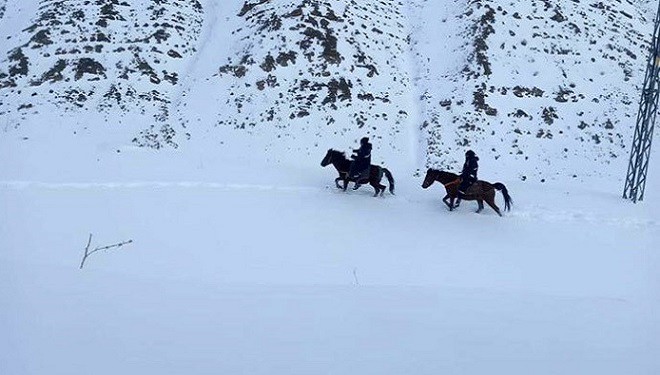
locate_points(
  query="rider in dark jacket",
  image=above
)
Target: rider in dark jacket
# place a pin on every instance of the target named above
(469, 173)
(361, 159)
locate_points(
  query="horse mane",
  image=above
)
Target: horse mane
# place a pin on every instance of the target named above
(338, 153)
(449, 174)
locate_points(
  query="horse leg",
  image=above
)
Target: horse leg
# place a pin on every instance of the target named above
(337, 182)
(481, 205)
(453, 202)
(491, 203)
(377, 179)
(446, 201)
(375, 186)
(345, 183)
(382, 189)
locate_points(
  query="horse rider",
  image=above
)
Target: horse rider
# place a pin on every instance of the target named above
(361, 161)
(469, 173)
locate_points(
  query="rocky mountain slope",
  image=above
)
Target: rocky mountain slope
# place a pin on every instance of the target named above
(531, 85)
(107, 55)
(542, 83)
(333, 61)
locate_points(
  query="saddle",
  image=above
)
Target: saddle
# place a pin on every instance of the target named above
(363, 175)
(471, 188)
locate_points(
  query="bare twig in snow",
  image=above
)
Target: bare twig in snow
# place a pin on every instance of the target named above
(100, 248)
(355, 276)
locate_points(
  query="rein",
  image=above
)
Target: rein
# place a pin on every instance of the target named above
(456, 181)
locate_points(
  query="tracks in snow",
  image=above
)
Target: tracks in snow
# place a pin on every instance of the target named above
(533, 213)
(25, 185)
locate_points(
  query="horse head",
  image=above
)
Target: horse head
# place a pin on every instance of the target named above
(332, 156)
(327, 159)
(443, 177)
(430, 178)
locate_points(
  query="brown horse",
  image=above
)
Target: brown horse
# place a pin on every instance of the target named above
(343, 165)
(480, 191)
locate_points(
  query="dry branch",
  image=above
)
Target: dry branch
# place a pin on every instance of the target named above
(100, 248)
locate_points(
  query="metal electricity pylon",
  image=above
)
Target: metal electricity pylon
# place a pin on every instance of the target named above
(648, 109)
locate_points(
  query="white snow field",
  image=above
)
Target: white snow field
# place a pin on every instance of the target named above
(245, 259)
(267, 268)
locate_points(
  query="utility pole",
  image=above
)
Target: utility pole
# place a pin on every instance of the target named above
(648, 109)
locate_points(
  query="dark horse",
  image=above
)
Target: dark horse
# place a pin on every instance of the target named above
(480, 191)
(343, 165)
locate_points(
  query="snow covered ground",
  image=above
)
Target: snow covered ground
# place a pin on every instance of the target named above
(262, 268)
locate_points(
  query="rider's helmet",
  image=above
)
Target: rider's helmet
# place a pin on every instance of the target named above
(364, 140)
(470, 154)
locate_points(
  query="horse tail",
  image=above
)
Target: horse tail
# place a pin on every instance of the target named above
(507, 198)
(388, 174)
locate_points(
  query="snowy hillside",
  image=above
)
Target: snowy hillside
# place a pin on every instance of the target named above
(338, 62)
(541, 83)
(296, 78)
(106, 56)
(530, 85)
